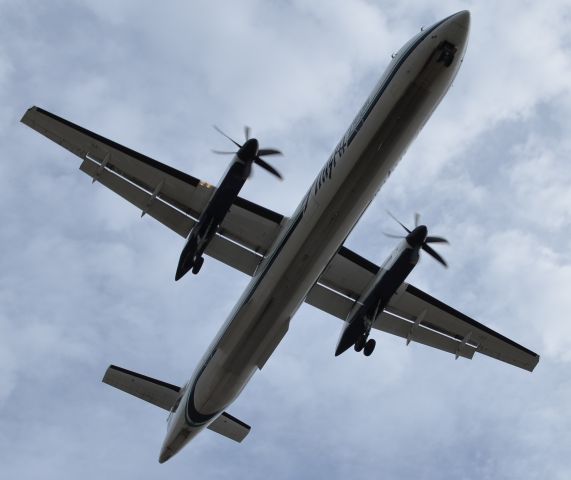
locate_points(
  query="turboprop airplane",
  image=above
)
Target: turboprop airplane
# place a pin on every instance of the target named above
(300, 258)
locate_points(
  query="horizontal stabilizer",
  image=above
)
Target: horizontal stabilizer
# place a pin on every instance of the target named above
(154, 391)
(230, 427)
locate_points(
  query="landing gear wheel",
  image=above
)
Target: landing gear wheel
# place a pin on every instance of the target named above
(369, 347)
(360, 343)
(197, 265)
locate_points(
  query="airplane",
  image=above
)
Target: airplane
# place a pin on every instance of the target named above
(301, 258)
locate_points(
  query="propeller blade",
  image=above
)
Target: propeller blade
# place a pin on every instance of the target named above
(268, 151)
(222, 133)
(268, 167)
(220, 152)
(434, 255)
(392, 235)
(416, 219)
(247, 132)
(430, 239)
(398, 221)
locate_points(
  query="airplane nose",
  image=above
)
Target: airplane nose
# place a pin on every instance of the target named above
(462, 19)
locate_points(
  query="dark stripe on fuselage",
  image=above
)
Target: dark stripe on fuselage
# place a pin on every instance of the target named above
(193, 416)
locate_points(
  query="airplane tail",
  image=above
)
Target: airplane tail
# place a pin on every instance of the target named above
(165, 395)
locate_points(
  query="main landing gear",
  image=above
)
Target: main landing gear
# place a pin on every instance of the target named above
(364, 345)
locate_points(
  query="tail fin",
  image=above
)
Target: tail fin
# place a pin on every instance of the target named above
(165, 395)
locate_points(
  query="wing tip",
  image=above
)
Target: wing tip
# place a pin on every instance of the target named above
(534, 363)
(26, 117)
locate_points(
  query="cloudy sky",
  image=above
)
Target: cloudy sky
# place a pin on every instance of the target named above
(85, 282)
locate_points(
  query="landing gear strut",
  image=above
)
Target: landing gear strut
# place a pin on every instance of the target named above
(360, 343)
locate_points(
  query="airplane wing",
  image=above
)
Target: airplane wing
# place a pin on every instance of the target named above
(413, 314)
(172, 197)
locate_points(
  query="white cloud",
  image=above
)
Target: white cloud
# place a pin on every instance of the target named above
(540, 184)
(86, 283)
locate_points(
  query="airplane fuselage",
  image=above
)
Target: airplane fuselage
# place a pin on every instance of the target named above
(403, 100)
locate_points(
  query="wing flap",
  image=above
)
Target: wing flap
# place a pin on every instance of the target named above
(230, 253)
(329, 301)
(142, 199)
(161, 394)
(408, 330)
(220, 248)
(230, 427)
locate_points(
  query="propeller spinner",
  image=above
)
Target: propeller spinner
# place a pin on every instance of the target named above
(418, 237)
(251, 152)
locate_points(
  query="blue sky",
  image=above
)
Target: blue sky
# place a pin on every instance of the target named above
(85, 282)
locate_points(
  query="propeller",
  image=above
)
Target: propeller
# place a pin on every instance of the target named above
(418, 237)
(251, 152)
